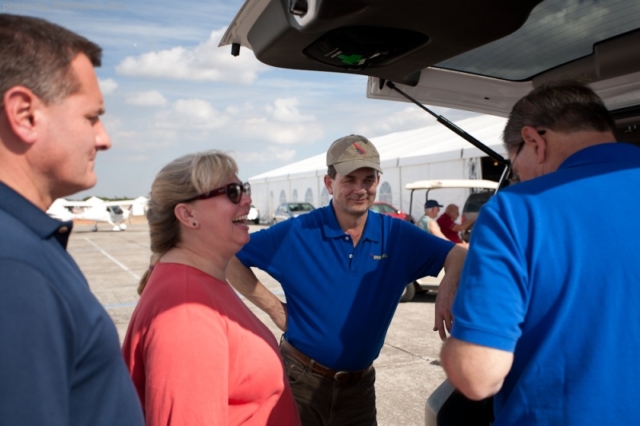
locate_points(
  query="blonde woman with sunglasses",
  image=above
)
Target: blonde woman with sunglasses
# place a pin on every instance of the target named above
(197, 355)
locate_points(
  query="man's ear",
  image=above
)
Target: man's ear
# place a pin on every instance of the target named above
(185, 214)
(531, 136)
(21, 107)
(327, 184)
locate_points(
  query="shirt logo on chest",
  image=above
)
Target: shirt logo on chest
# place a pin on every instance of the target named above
(378, 256)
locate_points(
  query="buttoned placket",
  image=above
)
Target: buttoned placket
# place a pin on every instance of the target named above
(62, 235)
(350, 249)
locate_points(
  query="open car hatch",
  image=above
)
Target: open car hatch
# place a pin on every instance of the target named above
(475, 55)
(392, 40)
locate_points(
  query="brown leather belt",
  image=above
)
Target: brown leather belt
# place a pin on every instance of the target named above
(340, 376)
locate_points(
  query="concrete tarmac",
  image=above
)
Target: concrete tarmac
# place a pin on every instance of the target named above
(407, 368)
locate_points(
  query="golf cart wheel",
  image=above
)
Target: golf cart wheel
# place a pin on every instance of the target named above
(408, 293)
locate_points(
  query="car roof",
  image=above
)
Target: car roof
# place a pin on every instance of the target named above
(296, 203)
(475, 55)
(452, 183)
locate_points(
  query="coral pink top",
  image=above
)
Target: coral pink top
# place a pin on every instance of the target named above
(198, 356)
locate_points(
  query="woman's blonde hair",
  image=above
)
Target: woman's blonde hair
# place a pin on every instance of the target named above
(180, 180)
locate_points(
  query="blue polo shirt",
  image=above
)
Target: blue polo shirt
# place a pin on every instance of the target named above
(552, 276)
(341, 298)
(60, 360)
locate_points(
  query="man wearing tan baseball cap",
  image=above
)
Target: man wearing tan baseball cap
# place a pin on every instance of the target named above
(351, 153)
(343, 269)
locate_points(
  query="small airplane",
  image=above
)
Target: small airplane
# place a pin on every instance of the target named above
(113, 212)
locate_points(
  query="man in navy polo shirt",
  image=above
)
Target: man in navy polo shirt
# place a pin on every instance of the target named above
(343, 269)
(546, 316)
(60, 360)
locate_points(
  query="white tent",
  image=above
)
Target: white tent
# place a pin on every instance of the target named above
(139, 206)
(94, 201)
(432, 152)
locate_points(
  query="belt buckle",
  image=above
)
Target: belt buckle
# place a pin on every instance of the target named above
(342, 376)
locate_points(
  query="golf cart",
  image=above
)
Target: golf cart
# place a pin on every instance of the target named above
(483, 189)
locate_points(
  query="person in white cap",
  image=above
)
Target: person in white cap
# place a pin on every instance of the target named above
(343, 269)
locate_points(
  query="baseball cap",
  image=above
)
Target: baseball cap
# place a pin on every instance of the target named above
(432, 203)
(351, 153)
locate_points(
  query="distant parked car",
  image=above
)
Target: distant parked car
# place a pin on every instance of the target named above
(472, 208)
(254, 215)
(388, 209)
(288, 210)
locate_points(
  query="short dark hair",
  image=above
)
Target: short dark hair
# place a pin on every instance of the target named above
(37, 54)
(567, 106)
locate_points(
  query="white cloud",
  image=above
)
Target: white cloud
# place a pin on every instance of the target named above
(286, 110)
(281, 133)
(238, 109)
(409, 118)
(132, 142)
(130, 134)
(150, 98)
(270, 155)
(137, 158)
(283, 124)
(107, 86)
(205, 62)
(192, 114)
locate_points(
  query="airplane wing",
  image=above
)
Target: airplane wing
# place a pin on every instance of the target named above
(68, 203)
(95, 202)
(121, 203)
(59, 209)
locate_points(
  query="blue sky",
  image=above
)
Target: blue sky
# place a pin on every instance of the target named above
(169, 90)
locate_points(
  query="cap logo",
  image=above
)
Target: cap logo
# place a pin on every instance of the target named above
(359, 149)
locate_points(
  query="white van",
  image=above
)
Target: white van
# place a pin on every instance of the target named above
(474, 55)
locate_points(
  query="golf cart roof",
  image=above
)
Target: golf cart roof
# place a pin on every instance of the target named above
(452, 183)
(476, 55)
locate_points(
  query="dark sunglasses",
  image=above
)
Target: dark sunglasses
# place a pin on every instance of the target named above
(233, 190)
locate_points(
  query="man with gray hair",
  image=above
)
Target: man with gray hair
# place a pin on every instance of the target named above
(60, 360)
(546, 316)
(343, 269)
(428, 221)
